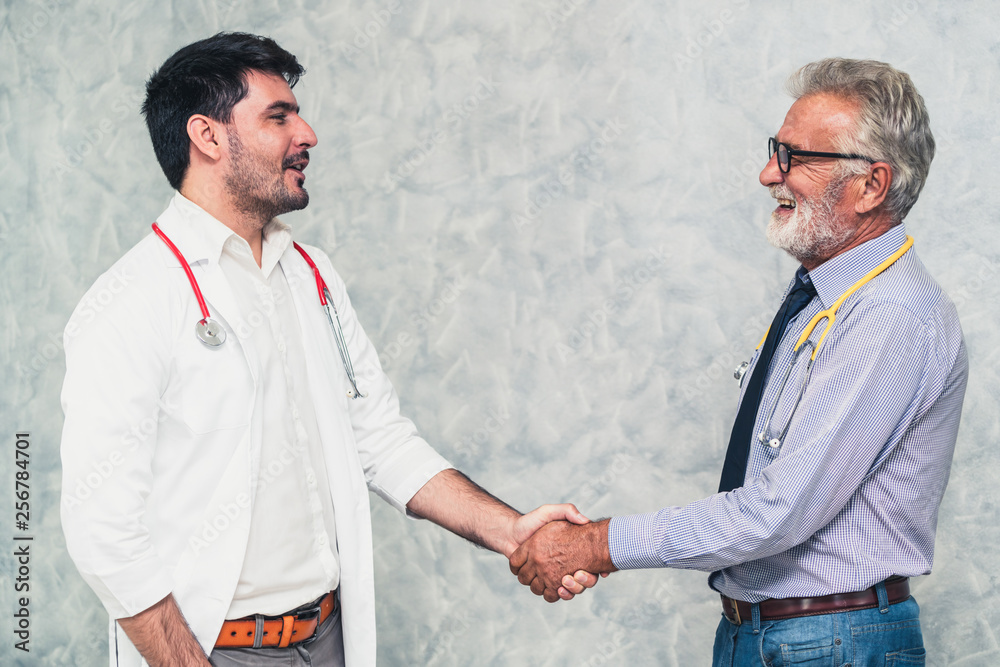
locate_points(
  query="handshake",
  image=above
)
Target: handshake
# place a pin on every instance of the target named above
(558, 552)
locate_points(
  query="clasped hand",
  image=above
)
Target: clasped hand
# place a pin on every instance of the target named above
(560, 556)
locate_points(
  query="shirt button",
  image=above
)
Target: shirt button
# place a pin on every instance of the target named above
(311, 479)
(321, 540)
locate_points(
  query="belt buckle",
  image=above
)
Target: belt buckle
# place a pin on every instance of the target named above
(735, 620)
(308, 615)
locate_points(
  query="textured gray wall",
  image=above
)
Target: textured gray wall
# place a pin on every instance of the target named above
(477, 272)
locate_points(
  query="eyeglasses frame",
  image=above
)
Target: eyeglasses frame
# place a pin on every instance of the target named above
(774, 146)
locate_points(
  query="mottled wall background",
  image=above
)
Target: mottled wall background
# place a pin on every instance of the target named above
(549, 219)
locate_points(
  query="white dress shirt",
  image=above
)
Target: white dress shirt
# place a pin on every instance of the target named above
(291, 553)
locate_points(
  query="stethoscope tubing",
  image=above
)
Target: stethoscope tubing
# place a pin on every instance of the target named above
(187, 270)
(212, 334)
(331, 314)
(830, 314)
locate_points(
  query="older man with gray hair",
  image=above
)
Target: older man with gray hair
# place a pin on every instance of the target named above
(848, 412)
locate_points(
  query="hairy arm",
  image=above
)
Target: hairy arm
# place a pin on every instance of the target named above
(163, 637)
(453, 501)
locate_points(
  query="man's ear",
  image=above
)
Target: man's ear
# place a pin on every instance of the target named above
(876, 188)
(206, 136)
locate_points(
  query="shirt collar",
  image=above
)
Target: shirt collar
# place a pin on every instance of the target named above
(834, 277)
(202, 237)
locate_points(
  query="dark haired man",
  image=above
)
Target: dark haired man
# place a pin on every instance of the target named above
(230, 516)
(836, 467)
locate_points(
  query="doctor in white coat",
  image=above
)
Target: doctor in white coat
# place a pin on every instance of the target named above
(168, 464)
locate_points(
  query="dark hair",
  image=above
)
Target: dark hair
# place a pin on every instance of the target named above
(208, 77)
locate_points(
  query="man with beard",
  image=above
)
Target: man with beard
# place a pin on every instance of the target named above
(217, 449)
(844, 436)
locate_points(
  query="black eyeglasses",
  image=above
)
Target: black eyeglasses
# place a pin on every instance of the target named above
(785, 154)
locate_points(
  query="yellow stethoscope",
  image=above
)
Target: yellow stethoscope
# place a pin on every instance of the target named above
(805, 344)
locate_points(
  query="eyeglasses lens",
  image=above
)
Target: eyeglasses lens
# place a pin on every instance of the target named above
(782, 150)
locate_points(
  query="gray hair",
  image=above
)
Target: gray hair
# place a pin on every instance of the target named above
(892, 124)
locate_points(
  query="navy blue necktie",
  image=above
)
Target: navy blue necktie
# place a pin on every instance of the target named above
(735, 467)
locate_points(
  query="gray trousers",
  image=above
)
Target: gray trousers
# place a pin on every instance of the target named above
(327, 650)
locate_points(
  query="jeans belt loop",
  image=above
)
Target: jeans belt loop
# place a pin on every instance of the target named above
(258, 634)
(755, 615)
(883, 597)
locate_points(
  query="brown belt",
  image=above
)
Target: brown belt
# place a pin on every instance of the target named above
(280, 631)
(737, 611)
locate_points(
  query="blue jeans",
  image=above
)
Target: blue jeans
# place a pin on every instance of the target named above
(864, 638)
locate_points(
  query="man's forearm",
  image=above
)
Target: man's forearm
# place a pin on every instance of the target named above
(453, 501)
(163, 637)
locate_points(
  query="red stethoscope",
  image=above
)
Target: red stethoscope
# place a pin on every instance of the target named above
(212, 334)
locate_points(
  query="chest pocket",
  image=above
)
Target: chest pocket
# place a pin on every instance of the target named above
(209, 388)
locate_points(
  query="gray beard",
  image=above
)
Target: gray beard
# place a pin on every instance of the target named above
(815, 231)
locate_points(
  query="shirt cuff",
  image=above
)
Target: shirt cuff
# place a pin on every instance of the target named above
(632, 541)
(413, 466)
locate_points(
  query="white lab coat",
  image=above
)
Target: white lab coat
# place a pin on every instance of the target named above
(161, 443)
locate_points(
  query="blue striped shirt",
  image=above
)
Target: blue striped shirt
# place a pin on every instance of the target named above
(851, 496)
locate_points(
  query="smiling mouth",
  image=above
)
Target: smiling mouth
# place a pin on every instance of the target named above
(297, 170)
(787, 204)
(297, 163)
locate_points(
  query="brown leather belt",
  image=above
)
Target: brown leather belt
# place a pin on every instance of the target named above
(279, 631)
(737, 611)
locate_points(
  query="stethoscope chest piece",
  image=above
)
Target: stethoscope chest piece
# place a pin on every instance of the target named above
(740, 371)
(210, 332)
